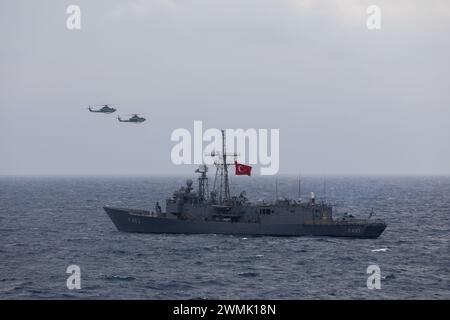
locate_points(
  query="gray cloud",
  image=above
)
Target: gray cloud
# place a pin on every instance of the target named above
(346, 100)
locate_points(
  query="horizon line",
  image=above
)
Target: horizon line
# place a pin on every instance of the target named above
(259, 176)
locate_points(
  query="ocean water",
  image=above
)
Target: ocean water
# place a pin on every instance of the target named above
(49, 223)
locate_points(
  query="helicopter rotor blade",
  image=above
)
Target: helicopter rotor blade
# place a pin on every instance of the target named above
(136, 114)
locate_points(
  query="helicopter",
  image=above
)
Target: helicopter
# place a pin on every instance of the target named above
(105, 109)
(134, 119)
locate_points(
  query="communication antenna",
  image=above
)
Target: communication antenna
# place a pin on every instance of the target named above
(276, 188)
(299, 188)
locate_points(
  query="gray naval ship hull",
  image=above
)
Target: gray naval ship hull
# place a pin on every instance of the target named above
(141, 221)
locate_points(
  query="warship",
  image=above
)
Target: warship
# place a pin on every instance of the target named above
(190, 211)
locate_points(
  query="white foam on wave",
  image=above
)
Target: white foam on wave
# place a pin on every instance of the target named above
(381, 250)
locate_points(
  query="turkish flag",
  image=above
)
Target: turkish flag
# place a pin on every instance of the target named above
(242, 169)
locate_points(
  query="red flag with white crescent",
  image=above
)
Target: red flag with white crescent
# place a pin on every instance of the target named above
(242, 169)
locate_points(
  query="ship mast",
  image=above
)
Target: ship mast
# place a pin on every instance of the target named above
(226, 183)
(202, 182)
(222, 172)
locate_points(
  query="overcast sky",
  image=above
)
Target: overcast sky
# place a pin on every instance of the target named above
(346, 100)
